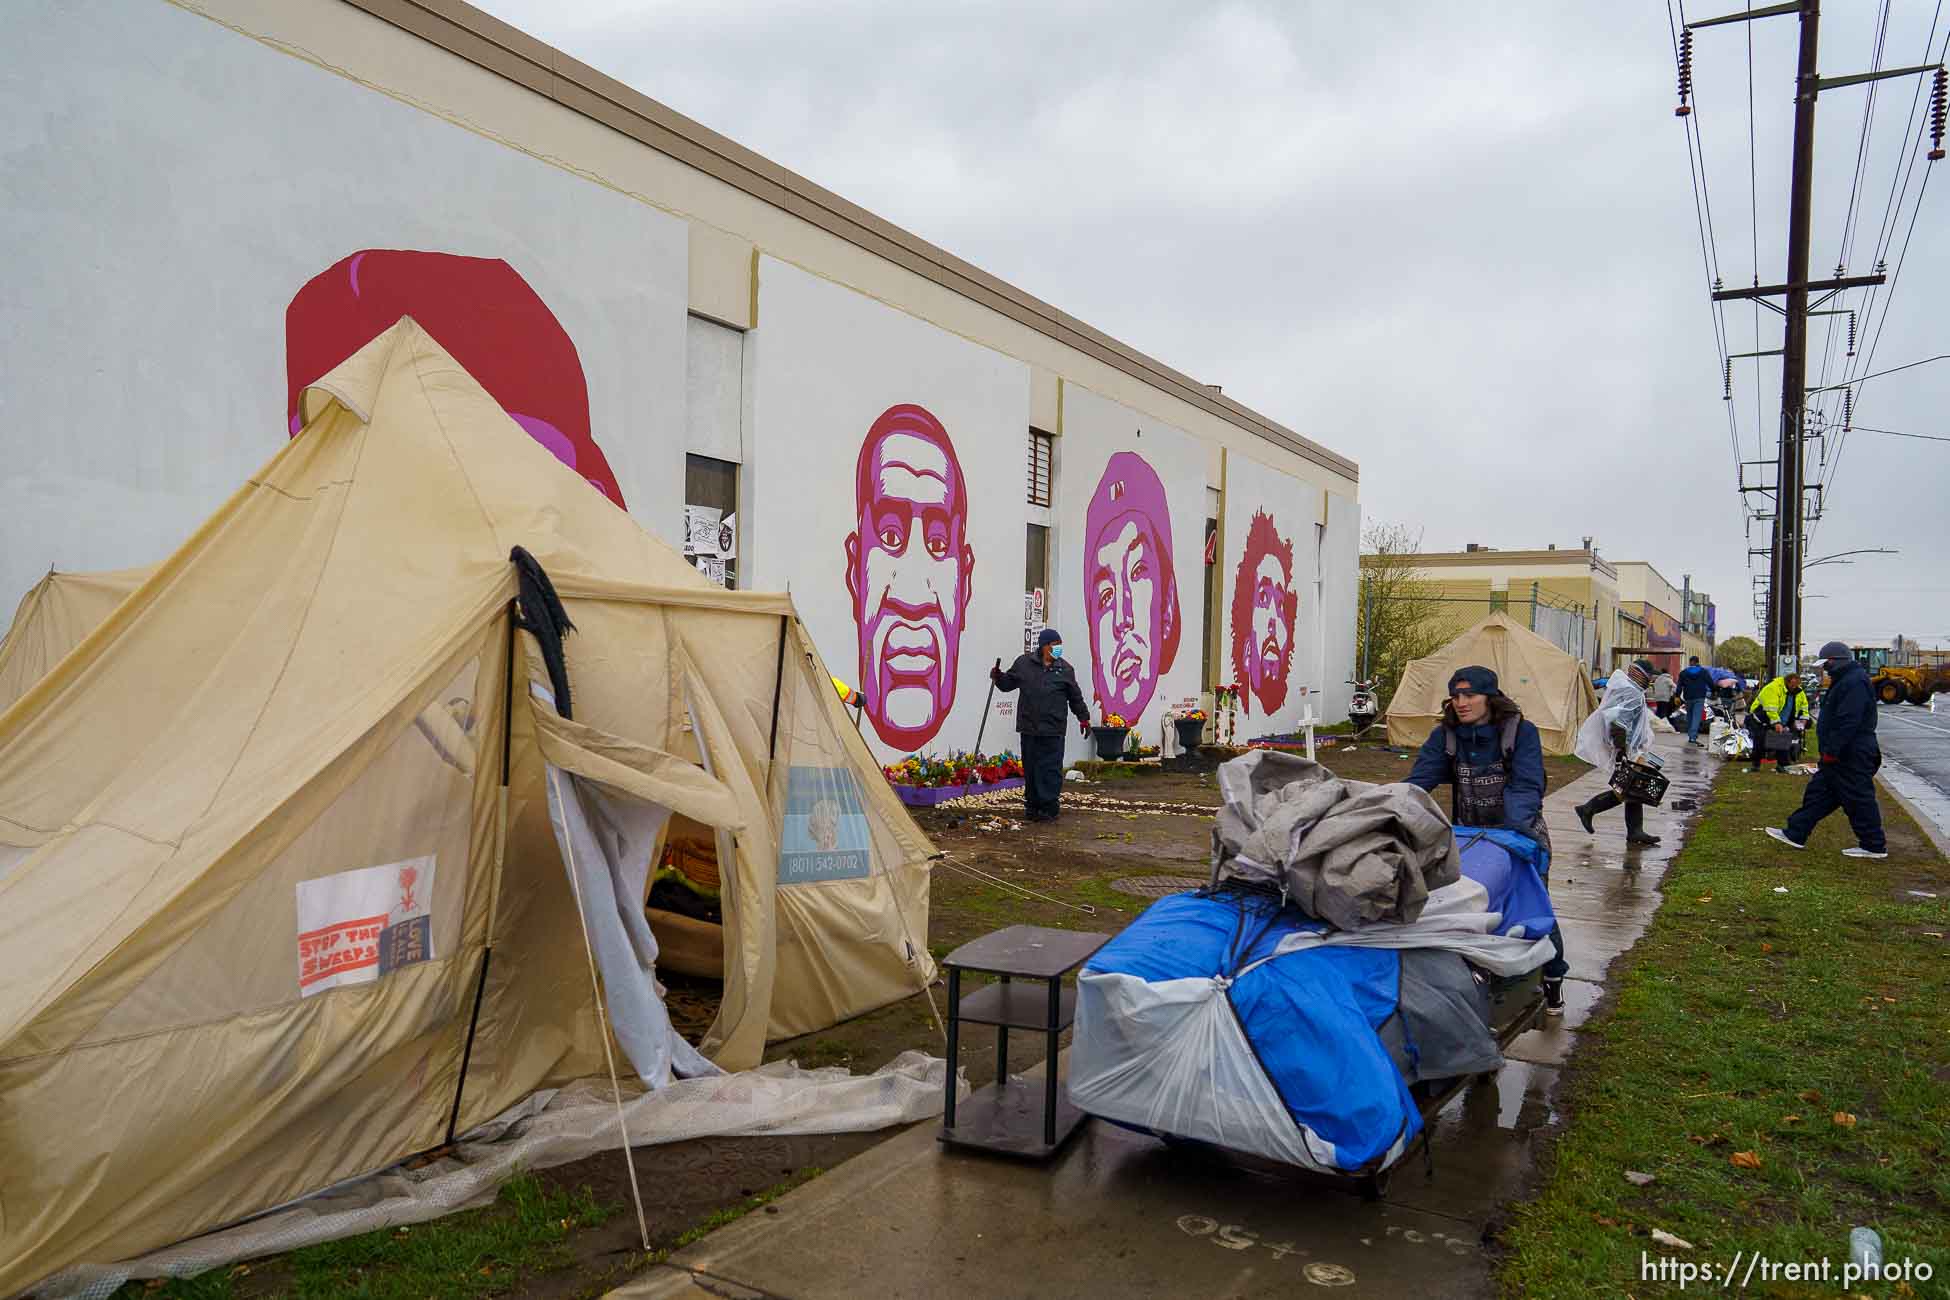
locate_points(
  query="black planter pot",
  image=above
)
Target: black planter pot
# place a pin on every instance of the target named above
(1110, 741)
(1191, 734)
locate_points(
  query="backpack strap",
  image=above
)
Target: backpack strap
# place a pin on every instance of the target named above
(1449, 740)
(1510, 726)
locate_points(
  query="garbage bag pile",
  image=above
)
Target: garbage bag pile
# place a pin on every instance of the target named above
(1253, 1022)
(1729, 741)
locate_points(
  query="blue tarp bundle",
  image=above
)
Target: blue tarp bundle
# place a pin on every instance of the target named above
(1229, 1019)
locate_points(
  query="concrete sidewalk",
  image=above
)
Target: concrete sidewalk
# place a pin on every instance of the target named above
(1121, 1214)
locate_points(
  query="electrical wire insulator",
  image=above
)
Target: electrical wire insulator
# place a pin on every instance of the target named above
(1728, 395)
(1939, 109)
(1851, 333)
(1848, 409)
(1685, 74)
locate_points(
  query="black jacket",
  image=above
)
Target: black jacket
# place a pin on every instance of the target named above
(1847, 725)
(1045, 693)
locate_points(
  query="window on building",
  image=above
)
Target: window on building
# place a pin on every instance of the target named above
(1042, 449)
(1035, 561)
(711, 517)
(1500, 600)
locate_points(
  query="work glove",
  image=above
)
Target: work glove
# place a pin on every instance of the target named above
(1831, 758)
(1083, 728)
(995, 675)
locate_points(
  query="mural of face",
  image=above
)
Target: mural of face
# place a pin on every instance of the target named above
(1264, 608)
(908, 569)
(481, 311)
(1130, 590)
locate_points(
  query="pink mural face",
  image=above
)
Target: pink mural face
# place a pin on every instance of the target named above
(1264, 608)
(477, 308)
(908, 570)
(1130, 591)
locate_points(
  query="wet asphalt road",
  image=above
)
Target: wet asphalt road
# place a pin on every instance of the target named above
(1918, 739)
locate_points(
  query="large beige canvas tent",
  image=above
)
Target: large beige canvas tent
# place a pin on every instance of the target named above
(52, 618)
(1551, 687)
(283, 840)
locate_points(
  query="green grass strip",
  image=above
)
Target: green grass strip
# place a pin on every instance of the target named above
(1778, 1062)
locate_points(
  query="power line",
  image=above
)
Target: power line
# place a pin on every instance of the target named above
(1847, 243)
(1892, 215)
(1709, 244)
(1926, 437)
(1861, 379)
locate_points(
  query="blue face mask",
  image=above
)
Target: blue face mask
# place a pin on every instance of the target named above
(1056, 652)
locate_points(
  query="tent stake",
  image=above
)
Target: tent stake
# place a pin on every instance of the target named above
(487, 950)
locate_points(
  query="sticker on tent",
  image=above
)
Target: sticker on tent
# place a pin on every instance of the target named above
(359, 925)
(825, 835)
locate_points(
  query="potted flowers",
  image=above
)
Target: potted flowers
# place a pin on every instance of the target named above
(1111, 735)
(922, 780)
(1191, 729)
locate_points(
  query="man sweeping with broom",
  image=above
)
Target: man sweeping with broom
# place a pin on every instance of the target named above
(1048, 684)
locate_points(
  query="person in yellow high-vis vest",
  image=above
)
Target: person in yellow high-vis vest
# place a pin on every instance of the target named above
(1776, 708)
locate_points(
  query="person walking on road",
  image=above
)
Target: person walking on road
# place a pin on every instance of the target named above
(1845, 779)
(1777, 708)
(1492, 759)
(1621, 727)
(1695, 685)
(1049, 686)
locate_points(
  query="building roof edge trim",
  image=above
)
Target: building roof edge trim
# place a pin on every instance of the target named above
(506, 51)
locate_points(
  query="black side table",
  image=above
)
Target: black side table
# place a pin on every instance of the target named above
(1004, 1117)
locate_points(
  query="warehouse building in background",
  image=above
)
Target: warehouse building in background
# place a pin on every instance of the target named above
(209, 209)
(1602, 612)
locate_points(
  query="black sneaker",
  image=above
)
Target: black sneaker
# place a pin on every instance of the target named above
(1553, 997)
(1642, 839)
(1584, 819)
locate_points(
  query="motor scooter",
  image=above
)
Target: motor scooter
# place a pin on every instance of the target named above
(1363, 707)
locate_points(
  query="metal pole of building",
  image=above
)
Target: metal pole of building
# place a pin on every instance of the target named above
(1784, 590)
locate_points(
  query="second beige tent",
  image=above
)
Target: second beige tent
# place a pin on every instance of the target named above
(1551, 687)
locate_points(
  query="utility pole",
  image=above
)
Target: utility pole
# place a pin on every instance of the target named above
(1784, 626)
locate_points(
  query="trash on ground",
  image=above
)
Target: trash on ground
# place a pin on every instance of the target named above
(1637, 1179)
(1665, 1238)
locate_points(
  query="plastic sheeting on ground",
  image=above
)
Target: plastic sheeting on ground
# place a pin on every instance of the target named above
(549, 1129)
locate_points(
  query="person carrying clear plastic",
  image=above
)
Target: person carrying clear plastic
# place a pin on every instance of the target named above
(1621, 727)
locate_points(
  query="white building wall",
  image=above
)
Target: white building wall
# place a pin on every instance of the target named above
(174, 175)
(170, 185)
(1270, 603)
(831, 364)
(1141, 618)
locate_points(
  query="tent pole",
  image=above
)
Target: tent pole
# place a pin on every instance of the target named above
(778, 683)
(487, 949)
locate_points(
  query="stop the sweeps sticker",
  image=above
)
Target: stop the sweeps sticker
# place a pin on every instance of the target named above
(359, 925)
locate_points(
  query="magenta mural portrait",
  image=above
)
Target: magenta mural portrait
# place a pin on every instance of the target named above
(908, 569)
(1264, 609)
(1130, 589)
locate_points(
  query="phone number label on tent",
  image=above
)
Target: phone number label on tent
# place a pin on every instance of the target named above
(356, 926)
(825, 836)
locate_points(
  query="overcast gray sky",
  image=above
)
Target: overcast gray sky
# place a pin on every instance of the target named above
(1457, 243)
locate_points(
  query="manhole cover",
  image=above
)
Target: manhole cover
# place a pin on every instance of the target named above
(1156, 886)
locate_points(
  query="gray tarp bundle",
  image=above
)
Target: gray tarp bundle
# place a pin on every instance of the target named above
(1346, 852)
